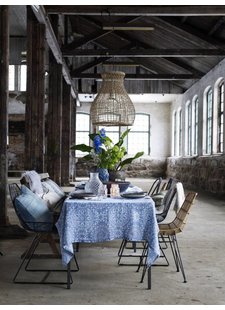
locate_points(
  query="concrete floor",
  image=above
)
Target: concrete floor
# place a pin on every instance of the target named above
(101, 281)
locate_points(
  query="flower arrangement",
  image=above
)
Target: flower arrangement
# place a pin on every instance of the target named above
(105, 153)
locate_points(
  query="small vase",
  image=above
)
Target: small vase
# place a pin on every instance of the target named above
(93, 183)
(103, 175)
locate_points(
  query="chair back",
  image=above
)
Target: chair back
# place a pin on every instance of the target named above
(177, 225)
(166, 203)
(14, 191)
(154, 189)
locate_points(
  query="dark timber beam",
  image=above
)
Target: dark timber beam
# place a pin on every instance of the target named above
(34, 117)
(188, 33)
(42, 17)
(136, 10)
(4, 97)
(87, 39)
(172, 61)
(66, 127)
(216, 26)
(142, 77)
(146, 53)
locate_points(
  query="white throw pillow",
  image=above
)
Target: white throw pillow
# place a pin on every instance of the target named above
(51, 198)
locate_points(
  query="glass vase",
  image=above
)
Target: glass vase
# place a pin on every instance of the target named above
(93, 183)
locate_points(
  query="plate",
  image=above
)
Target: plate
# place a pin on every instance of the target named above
(134, 195)
(82, 195)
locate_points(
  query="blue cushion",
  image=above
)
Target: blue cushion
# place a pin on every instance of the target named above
(33, 211)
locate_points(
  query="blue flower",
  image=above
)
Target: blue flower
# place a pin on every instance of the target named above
(102, 133)
(97, 144)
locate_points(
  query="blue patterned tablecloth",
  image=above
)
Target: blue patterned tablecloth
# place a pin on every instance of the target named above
(107, 219)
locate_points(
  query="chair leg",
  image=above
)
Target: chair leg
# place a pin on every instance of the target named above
(122, 248)
(29, 254)
(179, 260)
(174, 252)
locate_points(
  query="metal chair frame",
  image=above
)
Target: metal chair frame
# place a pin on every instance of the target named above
(168, 199)
(40, 236)
(154, 189)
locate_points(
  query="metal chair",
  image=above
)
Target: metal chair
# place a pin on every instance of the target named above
(167, 203)
(43, 232)
(154, 189)
(168, 232)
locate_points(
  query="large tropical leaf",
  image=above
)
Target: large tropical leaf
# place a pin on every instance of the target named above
(124, 134)
(82, 148)
(129, 160)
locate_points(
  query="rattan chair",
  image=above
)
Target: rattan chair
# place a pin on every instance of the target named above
(168, 232)
(43, 233)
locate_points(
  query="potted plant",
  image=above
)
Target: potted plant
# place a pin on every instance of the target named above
(106, 154)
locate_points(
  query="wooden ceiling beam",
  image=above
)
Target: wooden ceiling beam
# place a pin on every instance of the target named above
(188, 33)
(42, 17)
(217, 25)
(137, 10)
(145, 53)
(89, 65)
(172, 61)
(141, 77)
(87, 39)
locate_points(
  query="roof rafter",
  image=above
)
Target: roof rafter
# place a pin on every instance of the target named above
(138, 10)
(145, 53)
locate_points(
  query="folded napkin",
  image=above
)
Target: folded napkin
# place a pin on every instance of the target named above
(132, 190)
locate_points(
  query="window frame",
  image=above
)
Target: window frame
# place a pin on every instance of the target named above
(84, 131)
(195, 122)
(220, 117)
(209, 121)
(148, 132)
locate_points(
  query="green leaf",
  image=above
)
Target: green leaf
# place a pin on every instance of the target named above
(129, 160)
(124, 134)
(82, 148)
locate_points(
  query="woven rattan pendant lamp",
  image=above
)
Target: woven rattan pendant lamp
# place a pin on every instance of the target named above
(112, 106)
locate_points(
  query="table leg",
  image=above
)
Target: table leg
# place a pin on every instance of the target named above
(68, 276)
(149, 278)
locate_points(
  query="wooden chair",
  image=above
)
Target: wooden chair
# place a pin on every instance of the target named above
(168, 232)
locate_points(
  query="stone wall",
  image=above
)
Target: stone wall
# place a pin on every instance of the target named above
(140, 168)
(200, 173)
(16, 142)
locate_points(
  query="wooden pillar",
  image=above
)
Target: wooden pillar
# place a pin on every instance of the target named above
(73, 140)
(66, 127)
(54, 120)
(4, 95)
(34, 118)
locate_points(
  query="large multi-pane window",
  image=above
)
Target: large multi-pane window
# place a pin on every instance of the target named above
(189, 128)
(195, 125)
(174, 133)
(82, 130)
(139, 136)
(17, 77)
(11, 78)
(220, 117)
(209, 118)
(180, 133)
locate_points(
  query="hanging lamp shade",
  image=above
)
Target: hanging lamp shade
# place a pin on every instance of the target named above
(112, 106)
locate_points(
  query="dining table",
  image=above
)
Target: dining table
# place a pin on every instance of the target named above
(96, 219)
